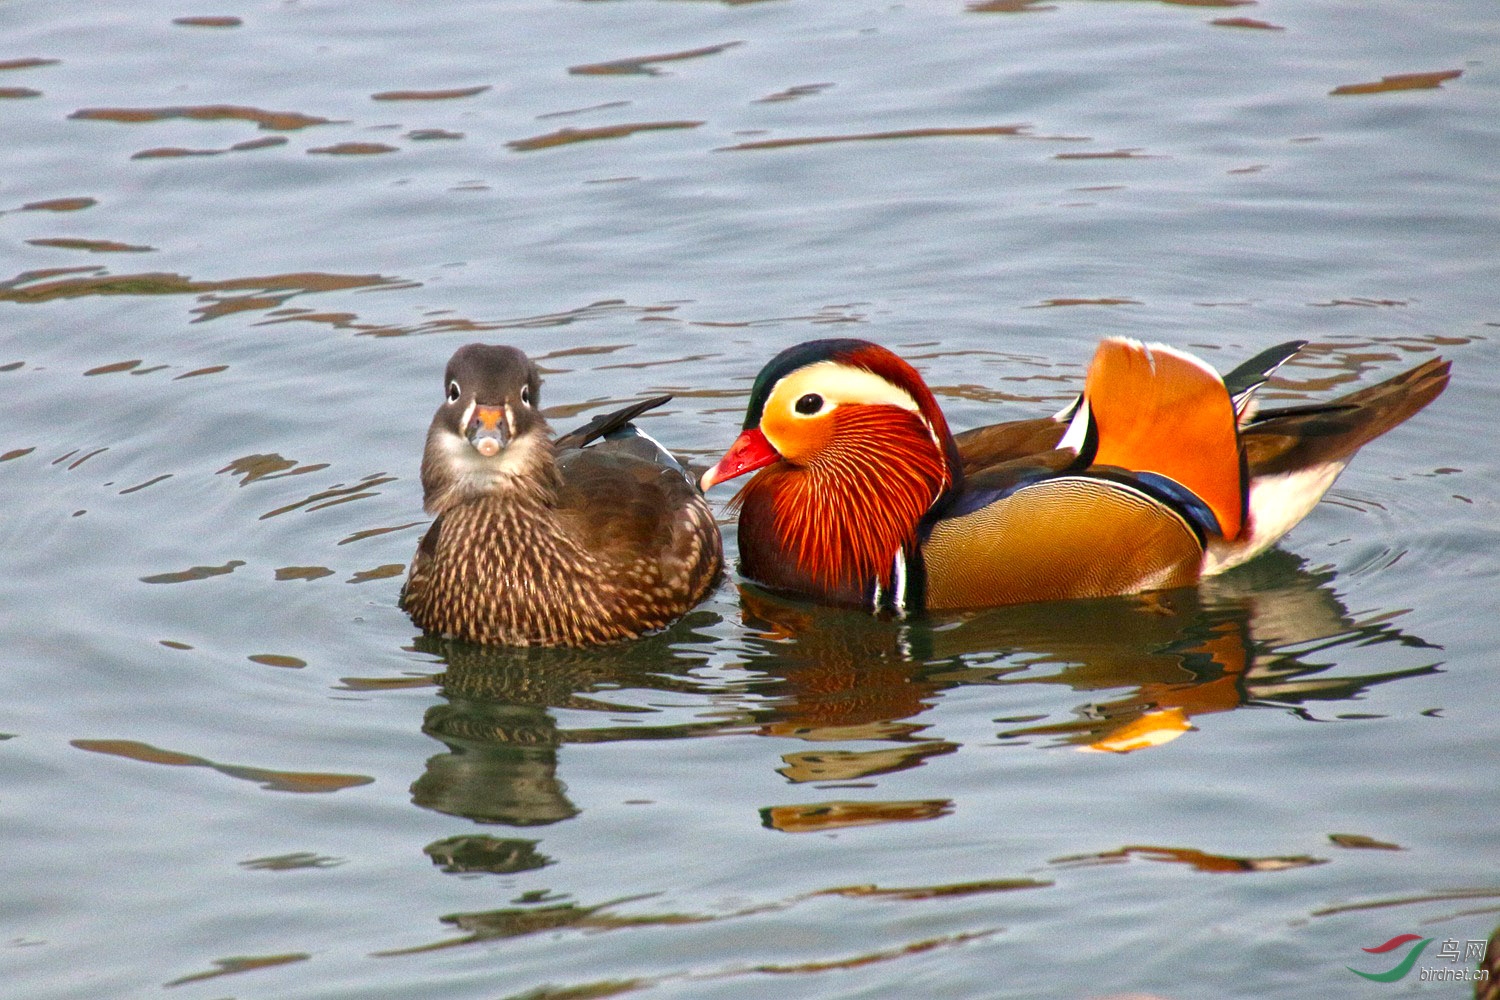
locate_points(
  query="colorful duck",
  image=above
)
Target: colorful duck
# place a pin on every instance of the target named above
(1160, 473)
(595, 537)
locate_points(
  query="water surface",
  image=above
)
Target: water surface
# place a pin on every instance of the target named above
(239, 244)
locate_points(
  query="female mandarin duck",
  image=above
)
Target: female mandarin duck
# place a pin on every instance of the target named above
(542, 542)
(1160, 473)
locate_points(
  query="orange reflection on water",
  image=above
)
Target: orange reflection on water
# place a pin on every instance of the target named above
(276, 121)
(1400, 81)
(910, 133)
(949, 890)
(1200, 860)
(93, 246)
(428, 95)
(355, 149)
(27, 63)
(243, 963)
(1113, 154)
(1007, 6)
(645, 64)
(1100, 301)
(168, 152)
(1164, 659)
(817, 817)
(568, 136)
(208, 21)
(51, 284)
(59, 205)
(1245, 22)
(792, 93)
(276, 781)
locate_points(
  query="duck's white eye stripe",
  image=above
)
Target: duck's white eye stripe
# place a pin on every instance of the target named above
(453, 391)
(837, 383)
(526, 394)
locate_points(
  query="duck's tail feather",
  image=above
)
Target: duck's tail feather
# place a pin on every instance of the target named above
(1292, 438)
(1295, 453)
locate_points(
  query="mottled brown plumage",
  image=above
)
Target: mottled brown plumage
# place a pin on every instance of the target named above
(589, 539)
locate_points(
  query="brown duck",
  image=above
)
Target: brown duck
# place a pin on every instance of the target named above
(597, 536)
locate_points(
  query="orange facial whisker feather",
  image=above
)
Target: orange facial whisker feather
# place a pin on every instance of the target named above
(844, 516)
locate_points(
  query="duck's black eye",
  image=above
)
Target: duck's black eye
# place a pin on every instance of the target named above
(526, 394)
(453, 392)
(809, 404)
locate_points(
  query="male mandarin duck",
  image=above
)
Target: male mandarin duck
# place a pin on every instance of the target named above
(595, 537)
(1160, 473)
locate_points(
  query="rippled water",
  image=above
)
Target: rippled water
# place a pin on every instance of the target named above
(239, 243)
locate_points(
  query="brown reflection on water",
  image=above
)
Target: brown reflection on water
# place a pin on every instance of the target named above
(948, 891)
(354, 149)
(31, 62)
(1362, 842)
(468, 853)
(208, 21)
(251, 468)
(59, 205)
(820, 817)
(275, 121)
(1245, 22)
(1325, 368)
(1073, 301)
(553, 918)
(910, 133)
(332, 496)
(275, 781)
(1110, 154)
(171, 152)
(242, 963)
(646, 64)
(1266, 635)
(517, 922)
(265, 292)
(1441, 896)
(568, 136)
(195, 573)
(500, 765)
(18, 93)
(792, 93)
(1199, 860)
(853, 765)
(428, 95)
(1400, 81)
(93, 246)
(440, 323)
(1007, 6)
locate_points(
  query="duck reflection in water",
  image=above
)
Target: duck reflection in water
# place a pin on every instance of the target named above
(502, 737)
(1271, 634)
(1267, 635)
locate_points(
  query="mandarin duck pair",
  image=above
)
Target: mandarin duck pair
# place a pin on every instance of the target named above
(1160, 473)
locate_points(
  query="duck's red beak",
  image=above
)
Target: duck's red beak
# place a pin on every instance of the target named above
(749, 452)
